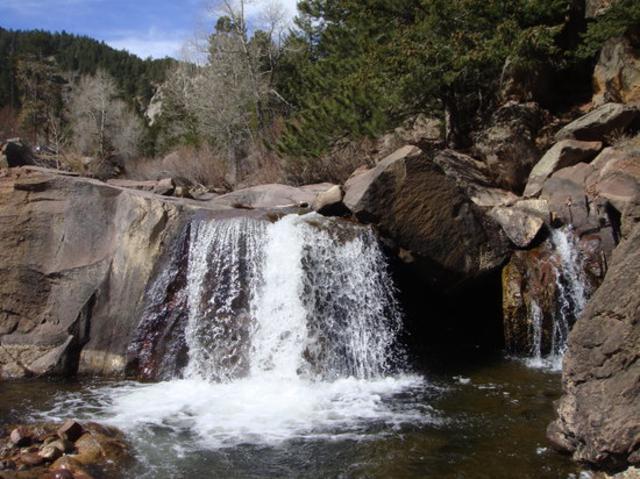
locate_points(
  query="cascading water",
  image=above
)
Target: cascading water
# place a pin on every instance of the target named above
(291, 334)
(289, 299)
(570, 300)
(535, 354)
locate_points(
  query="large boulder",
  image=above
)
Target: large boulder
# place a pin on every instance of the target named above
(75, 257)
(617, 75)
(415, 203)
(597, 125)
(618, 176)
(474, 177)
(508, 145)
(598, 416)
(563, 154)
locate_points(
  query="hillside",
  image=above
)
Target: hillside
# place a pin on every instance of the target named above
(79, 55)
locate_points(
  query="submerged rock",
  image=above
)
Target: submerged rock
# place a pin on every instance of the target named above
(99, 449)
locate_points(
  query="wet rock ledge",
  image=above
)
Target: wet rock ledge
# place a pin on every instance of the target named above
(62, 451)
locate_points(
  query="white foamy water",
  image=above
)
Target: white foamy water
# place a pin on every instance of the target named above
(292, 334)
(261, 411)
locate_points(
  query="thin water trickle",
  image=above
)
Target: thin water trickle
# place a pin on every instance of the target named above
(571, 287)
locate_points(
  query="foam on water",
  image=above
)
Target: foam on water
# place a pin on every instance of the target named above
(262, 411)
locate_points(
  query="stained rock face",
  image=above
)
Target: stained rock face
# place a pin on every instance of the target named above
(75, 257)
(412, 201)
(598, 416)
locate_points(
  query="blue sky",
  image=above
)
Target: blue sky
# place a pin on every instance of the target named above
(145, 27)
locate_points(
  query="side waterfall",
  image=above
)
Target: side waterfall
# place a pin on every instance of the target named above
(571, 298)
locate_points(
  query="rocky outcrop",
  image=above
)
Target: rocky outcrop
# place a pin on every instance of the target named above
(598, 416)
(415, 203)
(595, 8)
(563, 154)
(617, 75)
(75, 256)
(508, 145)
(598, 125)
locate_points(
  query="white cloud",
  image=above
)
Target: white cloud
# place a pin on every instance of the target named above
(154, 43)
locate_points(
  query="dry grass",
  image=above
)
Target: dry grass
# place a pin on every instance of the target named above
(630, 143)
(334, 167)
(201, 166)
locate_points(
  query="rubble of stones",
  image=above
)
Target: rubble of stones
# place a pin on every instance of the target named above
(68, 451)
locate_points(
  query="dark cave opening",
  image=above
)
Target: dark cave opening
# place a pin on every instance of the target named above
(446, 327)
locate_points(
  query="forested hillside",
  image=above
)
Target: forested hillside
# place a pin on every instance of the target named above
(273, 102)
(79, 55)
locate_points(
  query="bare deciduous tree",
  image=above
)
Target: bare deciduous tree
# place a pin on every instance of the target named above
(103, 125)
(229, 100)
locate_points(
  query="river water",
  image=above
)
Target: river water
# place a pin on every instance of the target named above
(485, 419)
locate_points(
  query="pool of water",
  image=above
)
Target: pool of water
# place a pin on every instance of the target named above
(481, 419)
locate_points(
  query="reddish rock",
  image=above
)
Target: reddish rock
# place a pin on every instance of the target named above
(71, 430)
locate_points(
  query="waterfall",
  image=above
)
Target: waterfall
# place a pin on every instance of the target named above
(570, 300)
(304, 296)
(274, 332)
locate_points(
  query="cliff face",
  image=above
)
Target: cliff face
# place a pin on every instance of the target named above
(75, 257)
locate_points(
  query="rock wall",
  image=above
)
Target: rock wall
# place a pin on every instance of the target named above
(599, 414)
(75, 258)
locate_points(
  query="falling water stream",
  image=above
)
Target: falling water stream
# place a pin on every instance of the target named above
(571, 299)
(295, 370)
